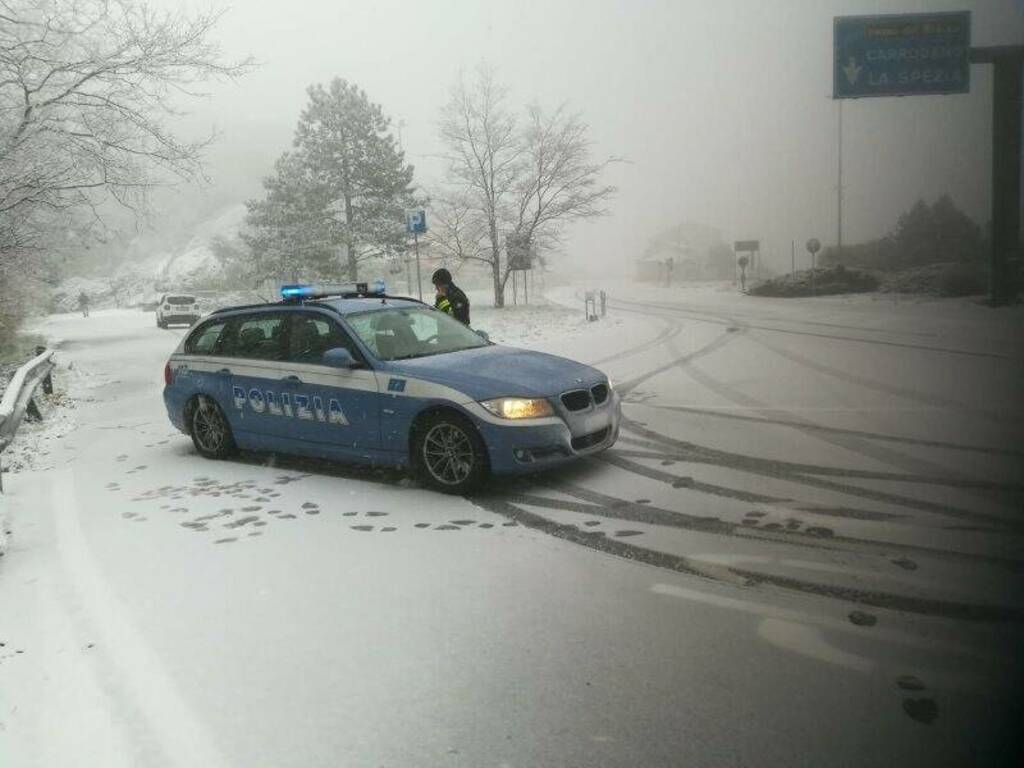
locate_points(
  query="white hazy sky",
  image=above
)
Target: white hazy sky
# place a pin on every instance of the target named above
(723, 108)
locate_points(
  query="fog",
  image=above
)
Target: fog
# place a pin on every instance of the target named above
(722, 111)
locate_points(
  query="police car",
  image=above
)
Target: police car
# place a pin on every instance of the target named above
(350, 373)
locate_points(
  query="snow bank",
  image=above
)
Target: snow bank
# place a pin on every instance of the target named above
(33, 444)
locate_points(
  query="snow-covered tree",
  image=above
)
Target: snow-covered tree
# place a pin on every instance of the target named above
(88, 90)
(511, 183)
(339, 195)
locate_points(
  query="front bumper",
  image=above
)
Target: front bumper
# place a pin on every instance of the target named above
(523, 448)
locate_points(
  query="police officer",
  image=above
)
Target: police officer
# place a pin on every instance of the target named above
(450, 297)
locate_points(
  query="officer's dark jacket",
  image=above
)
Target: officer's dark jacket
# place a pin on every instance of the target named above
(455, 303)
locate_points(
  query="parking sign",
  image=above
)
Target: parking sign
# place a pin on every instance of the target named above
(416, 222)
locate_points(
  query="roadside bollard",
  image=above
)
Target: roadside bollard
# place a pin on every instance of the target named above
(604, 303)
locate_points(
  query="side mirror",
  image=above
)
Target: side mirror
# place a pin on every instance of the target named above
(483, 335)
(339, 357)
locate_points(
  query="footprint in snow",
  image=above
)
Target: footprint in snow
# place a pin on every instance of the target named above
(922, 710)
(906, 564)
(862, 619)
(910, 683)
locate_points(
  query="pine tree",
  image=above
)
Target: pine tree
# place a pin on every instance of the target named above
(341, 193)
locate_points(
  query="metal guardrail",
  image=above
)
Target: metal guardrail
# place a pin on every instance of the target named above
(17, 401)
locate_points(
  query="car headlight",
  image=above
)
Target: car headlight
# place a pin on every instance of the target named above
(518, 407)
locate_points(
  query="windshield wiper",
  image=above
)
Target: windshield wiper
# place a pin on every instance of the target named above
(436, 352)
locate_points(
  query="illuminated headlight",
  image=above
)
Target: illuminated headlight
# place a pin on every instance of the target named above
(518, 407)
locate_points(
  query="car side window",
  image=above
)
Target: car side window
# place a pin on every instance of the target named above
(310, 335)
(256, 337)
(204, 341)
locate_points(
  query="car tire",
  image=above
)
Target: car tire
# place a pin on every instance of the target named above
(160, 323)
(209, 428)
(448, 454)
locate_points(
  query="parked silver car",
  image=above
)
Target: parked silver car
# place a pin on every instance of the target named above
(177, 309)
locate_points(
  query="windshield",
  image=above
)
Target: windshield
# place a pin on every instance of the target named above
(404, 333)
(180, 300)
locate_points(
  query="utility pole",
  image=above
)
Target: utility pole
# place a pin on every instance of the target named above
(792, 257)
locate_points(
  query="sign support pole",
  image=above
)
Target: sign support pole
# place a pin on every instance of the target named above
(839, 189)
(1008, 63)
(419, 280)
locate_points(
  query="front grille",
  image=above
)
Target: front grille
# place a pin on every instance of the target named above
(600, 393)
(576, 400)
(589, 441)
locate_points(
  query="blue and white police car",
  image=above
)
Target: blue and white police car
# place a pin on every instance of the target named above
(350, 373)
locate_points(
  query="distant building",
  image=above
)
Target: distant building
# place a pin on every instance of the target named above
(686, 246)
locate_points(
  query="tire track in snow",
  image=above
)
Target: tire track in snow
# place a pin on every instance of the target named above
(708, 317)
(604, 505)
(747, 578)
(810, 426)
(880, 386)
(668, 333)
(182, 738)
(804, 475)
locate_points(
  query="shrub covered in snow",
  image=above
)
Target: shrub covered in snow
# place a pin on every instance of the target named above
(826, 281)
(945, 279)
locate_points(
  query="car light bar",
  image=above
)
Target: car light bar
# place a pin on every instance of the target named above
(322, 290)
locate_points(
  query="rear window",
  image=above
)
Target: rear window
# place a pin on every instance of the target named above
(205, 340)
(180, 300)
(257, 337)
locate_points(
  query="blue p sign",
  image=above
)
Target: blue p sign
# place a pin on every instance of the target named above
(416, 222)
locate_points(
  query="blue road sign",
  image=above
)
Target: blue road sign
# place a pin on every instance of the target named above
(901, 54)
(416, 222)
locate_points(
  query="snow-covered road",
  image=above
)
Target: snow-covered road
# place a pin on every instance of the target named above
(804, 549)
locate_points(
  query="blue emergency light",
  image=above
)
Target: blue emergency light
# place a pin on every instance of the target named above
(323, 290)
